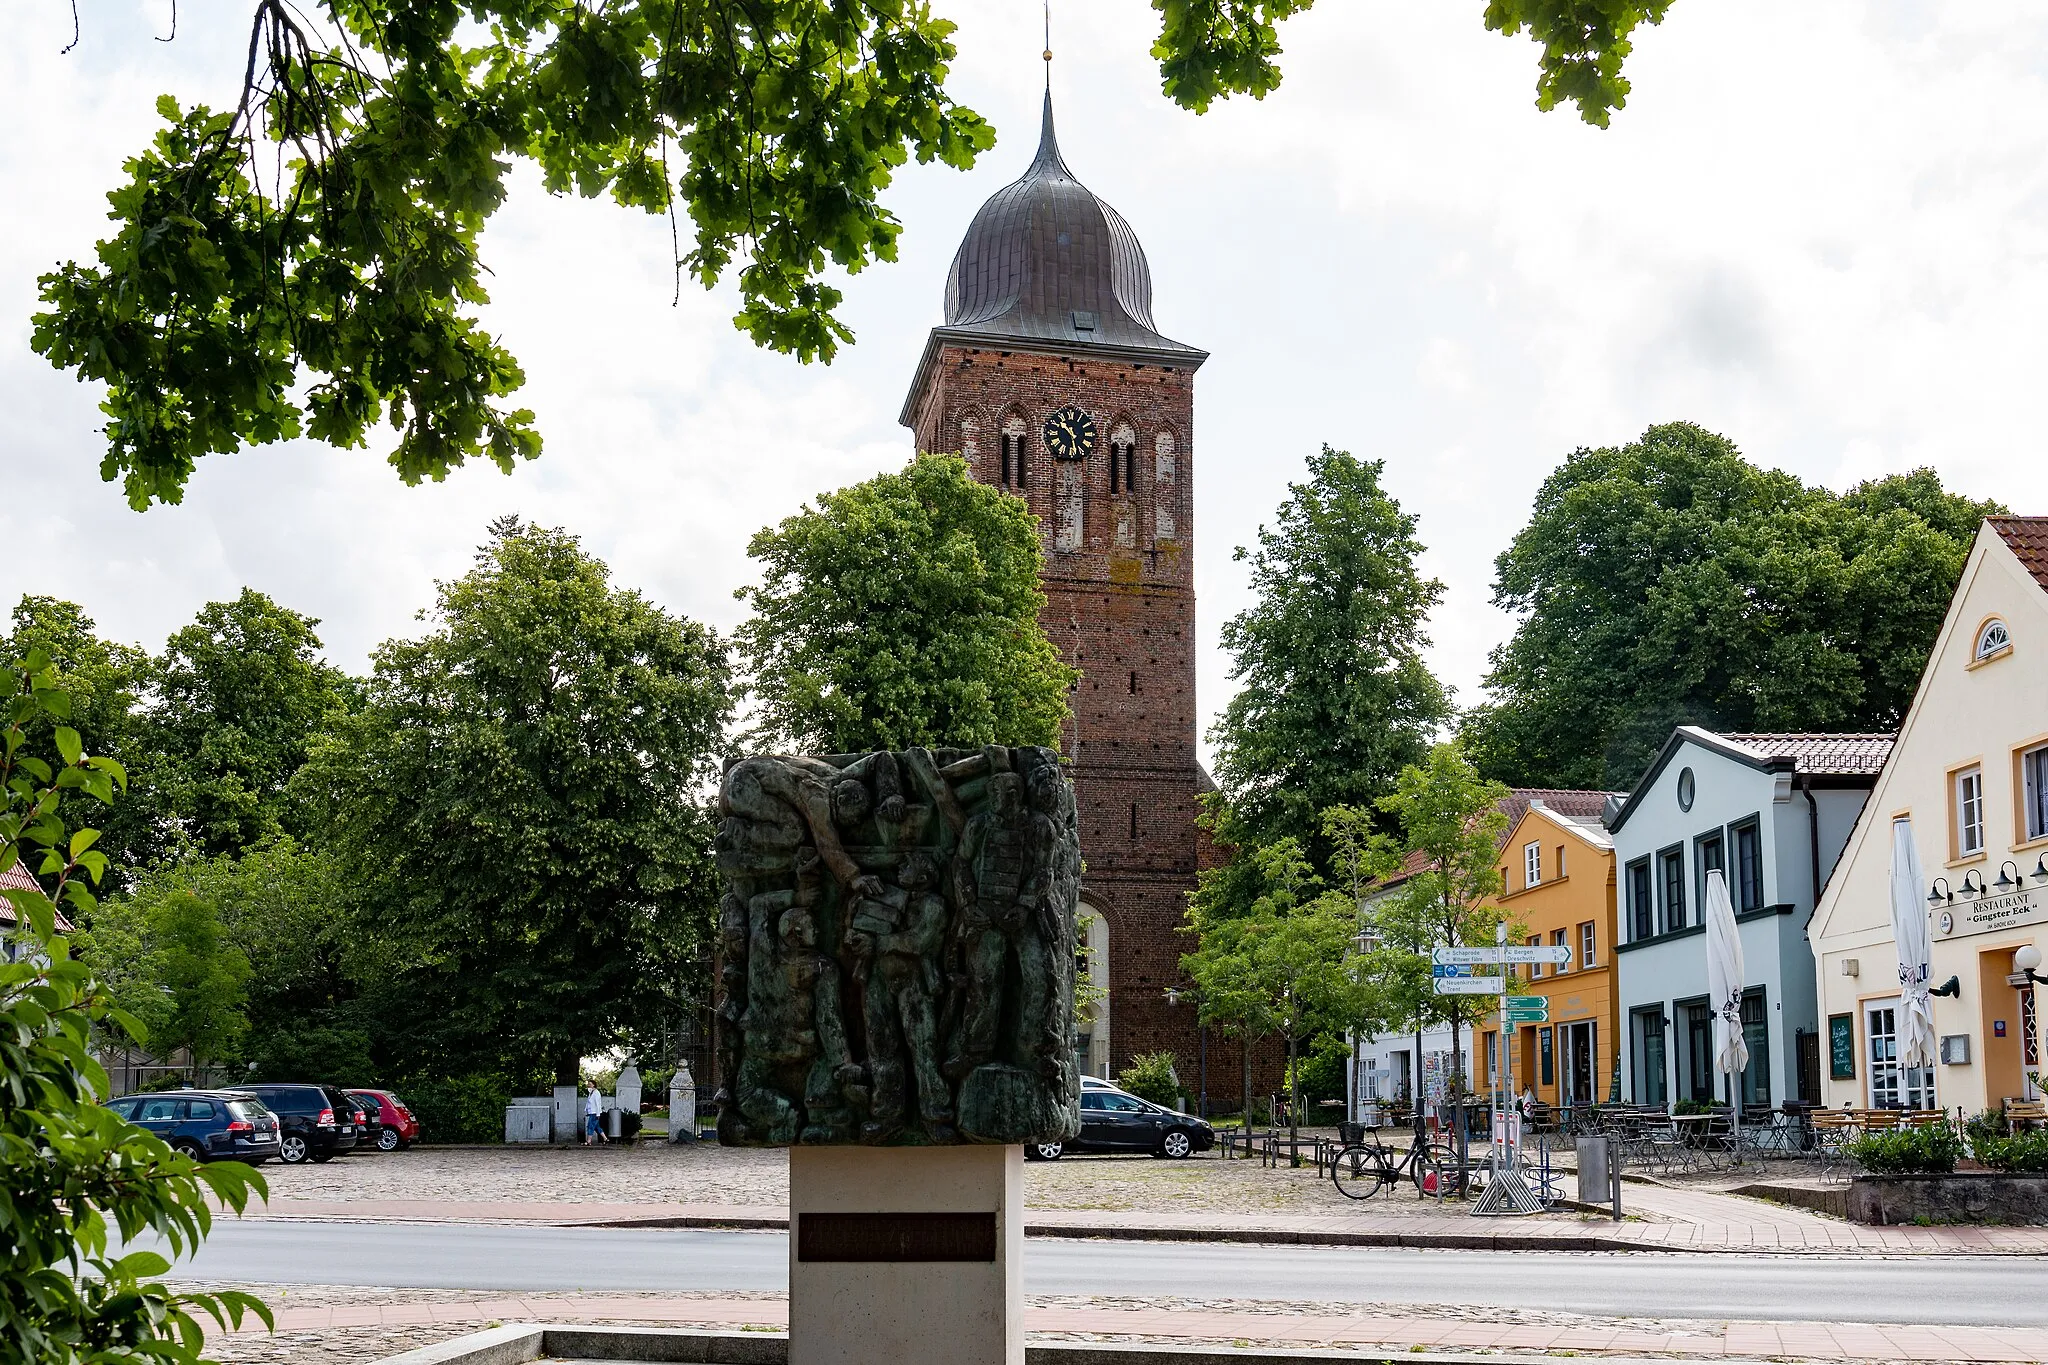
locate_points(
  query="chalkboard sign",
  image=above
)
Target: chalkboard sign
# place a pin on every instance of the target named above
(1842, 1046)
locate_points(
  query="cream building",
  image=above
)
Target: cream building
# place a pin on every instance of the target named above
(1970, 771)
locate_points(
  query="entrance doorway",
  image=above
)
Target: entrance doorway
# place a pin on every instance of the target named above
(1580, 1066)
(1892, 1086)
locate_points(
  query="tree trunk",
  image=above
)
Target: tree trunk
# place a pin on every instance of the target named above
(569, 1070)
(1293, 1095)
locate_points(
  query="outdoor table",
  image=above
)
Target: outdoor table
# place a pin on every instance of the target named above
(1697, 1132)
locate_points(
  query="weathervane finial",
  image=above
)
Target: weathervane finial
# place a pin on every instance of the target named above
(1048, 45)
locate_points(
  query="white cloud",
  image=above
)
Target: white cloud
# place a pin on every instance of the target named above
(1817, 228)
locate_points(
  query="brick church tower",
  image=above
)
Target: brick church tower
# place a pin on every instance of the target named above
(1050, 378)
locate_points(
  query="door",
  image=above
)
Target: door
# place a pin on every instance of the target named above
(1130, 1124)
(1699, 1054)
(196, 1121)
(1892, 1086)
(1580, 1087)
(159, 1114)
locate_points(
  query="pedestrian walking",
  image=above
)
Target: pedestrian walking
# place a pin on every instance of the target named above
(593, 1109)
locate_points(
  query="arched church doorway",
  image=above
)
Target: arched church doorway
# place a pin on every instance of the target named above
(1091, 998)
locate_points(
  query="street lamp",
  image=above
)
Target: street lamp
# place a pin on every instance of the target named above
(2024, 962)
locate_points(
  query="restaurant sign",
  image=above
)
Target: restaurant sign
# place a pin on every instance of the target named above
(1987, 914)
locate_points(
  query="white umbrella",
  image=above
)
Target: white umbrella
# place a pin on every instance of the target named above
(1909, 931)
(1724, 979)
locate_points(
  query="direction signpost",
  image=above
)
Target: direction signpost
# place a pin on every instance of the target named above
(1454, 971)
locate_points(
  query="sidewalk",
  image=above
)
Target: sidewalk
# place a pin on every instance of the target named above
(1671, 1220)
(1751, 1340)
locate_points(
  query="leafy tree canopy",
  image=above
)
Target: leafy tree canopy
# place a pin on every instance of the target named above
(73, 1171)
(521, 797)
(1672, 581)
(904, 611)
(239, 695)
(1334, 695)
(304, 259)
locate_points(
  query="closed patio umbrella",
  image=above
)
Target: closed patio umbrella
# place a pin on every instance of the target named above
(1909, 931)
(1724, 982)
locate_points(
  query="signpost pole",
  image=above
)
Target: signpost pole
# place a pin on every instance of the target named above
(1502, 1071)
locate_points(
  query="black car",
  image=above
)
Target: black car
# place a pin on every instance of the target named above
(210, 1125)
(1113, 1121)
(318, 1122)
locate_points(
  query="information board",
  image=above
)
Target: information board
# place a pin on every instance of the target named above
(1842, 1047)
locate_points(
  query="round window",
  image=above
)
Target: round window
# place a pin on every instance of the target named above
(1685, 789)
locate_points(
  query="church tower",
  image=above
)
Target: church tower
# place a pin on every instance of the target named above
(1051, 380)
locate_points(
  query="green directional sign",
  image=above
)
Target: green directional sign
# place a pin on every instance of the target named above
(1528, 1009)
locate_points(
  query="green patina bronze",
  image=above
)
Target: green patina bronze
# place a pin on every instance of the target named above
(897, 948)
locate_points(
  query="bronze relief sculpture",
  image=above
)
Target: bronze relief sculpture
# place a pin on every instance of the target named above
(897, 948)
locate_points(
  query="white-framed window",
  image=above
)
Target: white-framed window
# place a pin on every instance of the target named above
(2034, 783)
(1558, 940)
(1587, 945)
(1532, 865)
(1992, 638)
(1535, 968)
(1560, 862)
(1969, 808)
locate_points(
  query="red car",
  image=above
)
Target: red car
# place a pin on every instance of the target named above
(390, 1124)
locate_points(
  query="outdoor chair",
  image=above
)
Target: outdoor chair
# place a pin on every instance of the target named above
(1879, 1120)
(1832, 1129)
(2026, 1111)
(1925, 1118)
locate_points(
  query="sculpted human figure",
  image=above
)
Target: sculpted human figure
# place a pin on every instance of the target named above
(897, 938)
(794, 1025)
(1002, 880)
(772, 803)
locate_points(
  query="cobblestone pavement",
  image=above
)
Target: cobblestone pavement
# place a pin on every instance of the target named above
(706, 1174)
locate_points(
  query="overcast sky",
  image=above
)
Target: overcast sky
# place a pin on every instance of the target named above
(1816, 228)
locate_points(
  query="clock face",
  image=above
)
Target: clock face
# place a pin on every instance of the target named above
(1070, 434)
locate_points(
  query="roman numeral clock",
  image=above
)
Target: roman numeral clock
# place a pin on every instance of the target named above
(1070, 434)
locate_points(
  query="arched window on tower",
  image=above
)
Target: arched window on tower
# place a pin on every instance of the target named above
(1123, 462)
(1013, 470)
(1165, 490)
(970, 443)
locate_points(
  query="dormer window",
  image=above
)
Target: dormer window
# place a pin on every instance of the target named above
(1993, 639)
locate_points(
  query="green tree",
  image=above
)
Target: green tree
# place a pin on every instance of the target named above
(305, 261)
(73, 1171)
(106, 682)
(1334, 695)
(1672, 581)
(206, 979)
(1451, 823)
(904, 611)
(239, 695)
(520, 798)
(1284, 964)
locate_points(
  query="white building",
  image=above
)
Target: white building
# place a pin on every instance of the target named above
(1771, 813)
(1970, 775)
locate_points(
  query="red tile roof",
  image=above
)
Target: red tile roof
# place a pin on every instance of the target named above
(1823, 755)
(2027, 537)
(1573, 805)
(18, 878)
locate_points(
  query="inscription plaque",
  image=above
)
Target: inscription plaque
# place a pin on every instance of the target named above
(896, 1237)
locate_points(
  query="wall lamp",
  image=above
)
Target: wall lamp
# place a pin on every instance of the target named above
(1940, 894)
(1973, 884)
(2007, 883)
(2024, 961)
(1952, 988)
(2040, 872)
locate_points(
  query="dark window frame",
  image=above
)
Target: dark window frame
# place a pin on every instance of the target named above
(1717, 839)
(1747, 889)
(1642, 908)
(1646, 1021)
(1667, 858)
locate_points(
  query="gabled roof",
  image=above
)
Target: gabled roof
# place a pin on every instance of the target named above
(1854, 759)
(1558, 802)
(17, 877)
(1824, 755)
(1586, 827)
(2027, 538)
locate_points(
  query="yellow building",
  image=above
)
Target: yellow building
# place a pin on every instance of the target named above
(1559, 873)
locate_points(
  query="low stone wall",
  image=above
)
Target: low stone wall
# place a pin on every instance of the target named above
(1965, 1197)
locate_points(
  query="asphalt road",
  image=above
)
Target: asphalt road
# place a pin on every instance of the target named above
(2004, 1291)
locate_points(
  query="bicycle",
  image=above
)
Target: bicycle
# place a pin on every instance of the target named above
(1363, 1169)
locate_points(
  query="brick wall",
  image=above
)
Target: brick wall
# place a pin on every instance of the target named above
(1120, 605)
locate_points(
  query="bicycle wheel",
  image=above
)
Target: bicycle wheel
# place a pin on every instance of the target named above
(1428, 1168)
(1358, 1171)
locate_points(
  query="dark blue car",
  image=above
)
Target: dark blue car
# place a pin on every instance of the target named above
(211, 1125)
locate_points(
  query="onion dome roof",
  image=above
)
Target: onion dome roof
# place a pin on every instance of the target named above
(1046, 260)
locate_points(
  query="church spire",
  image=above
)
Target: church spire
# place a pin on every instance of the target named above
(1048, 158)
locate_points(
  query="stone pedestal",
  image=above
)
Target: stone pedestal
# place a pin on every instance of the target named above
(906, 1255)
(682, 1105)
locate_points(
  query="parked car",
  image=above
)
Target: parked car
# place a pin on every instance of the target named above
(317, 1122)
(1113, 1120)
(389, 1125)
(210, 1125)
